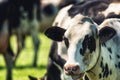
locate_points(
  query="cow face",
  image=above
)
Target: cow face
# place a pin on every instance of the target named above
(82, 42)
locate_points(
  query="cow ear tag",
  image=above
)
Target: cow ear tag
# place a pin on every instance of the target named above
(55, 33)
(106, 34)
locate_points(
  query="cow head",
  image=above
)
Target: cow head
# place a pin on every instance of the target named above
(82, 42)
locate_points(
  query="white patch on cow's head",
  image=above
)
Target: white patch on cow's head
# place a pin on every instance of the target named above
(83, 41)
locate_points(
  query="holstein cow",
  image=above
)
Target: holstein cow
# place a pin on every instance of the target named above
(24, 19)
(98, 10)
(50, 8)
(21, 16)
(56, 60)
(63, 20)
(94, 9)
(5, 49)
(91, 50)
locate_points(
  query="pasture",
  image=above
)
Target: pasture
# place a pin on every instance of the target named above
(23, 66)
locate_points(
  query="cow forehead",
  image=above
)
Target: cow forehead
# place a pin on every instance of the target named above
(79, 31)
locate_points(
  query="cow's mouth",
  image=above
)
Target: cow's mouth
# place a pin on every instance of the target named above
(79, 76)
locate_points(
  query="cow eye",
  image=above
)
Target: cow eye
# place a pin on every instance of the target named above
(66, 42)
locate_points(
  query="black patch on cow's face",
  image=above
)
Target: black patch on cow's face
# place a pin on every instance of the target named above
(66, 42)
(89, 42)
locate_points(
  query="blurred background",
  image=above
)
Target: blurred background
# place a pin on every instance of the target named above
(23, 46)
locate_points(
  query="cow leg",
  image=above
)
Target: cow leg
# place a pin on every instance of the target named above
(36, 43)
(20, 46)
(9, 64)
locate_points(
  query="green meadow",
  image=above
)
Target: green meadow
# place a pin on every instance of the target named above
(23, 66)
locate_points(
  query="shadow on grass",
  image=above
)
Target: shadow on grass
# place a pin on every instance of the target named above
(29, 66)
(25, 67)
(2, 67)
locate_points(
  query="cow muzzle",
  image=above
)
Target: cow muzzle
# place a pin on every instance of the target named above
(73, 71)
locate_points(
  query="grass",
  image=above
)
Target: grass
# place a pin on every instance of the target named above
(23, 66)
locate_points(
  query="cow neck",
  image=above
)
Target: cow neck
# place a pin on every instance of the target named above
(92, 68)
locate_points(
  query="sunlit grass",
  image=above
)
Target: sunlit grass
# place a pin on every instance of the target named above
(23, 66)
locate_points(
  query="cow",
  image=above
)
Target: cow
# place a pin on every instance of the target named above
(91, 50)
(18, 17)
(94, 9)
(49, 10)
(5, 48)
(54, 61)
(24, 19)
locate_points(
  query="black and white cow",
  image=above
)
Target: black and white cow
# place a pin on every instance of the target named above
(91, 50)
(21, 17)
(5, 49)
(94, 9)
(49, 10)
(24, 19)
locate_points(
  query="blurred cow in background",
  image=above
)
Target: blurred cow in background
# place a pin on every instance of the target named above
(5, 48)
(49, 10)
(24, 19)
(20, 17)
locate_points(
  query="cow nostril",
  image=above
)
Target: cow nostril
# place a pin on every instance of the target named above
(67, 68)
(75, 68)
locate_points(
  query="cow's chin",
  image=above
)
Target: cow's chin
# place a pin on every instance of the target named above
(78, 77)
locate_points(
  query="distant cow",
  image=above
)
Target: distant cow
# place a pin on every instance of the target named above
(24, 19)
(20, 17)
(49, 9)
(4, 39)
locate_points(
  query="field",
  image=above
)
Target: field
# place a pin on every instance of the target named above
(23, 66)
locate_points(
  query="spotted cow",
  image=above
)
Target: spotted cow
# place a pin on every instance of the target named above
(20, 17)
(91, 50)
(94, 9)
(24, 19)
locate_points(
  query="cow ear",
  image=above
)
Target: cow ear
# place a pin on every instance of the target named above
(106, 34)
(55, 33)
